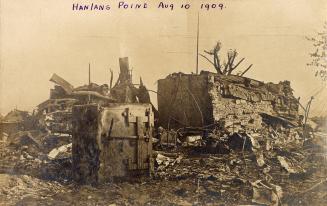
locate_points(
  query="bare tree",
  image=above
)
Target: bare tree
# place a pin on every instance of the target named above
(225, 68)
(318, 56)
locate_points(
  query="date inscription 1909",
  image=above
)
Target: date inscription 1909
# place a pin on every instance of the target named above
(122, 5)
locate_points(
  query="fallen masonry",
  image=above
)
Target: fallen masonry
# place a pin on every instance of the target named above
(239, 103)
(220, 140)
(55, 114)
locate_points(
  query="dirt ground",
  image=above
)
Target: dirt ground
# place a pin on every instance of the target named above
(184, 178)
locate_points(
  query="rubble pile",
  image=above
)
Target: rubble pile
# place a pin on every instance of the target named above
(188, 100)
(24, 189)
(17, 120)
(55, 114)
(37, 154)
(258, 172)
(220, 140)
(241, 102)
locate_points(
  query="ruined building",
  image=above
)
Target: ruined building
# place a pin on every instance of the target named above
(15, 121)
(55, 114)
(239, 103)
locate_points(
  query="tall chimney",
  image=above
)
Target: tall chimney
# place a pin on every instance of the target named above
(124, 70)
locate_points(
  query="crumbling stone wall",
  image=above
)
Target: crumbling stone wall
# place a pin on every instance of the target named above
(237, 101)
(237, 113)
(240, 101)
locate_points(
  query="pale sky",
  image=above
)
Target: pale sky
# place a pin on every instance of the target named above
(41, 37)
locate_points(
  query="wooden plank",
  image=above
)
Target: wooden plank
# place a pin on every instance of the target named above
(139, 129)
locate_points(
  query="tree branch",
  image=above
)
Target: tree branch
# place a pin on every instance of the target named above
(207, 59)
(249, 67)
(217, 63)
(210, 53)
(232, 69)
(233, 59)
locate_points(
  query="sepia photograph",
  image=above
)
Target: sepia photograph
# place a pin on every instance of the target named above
(149, 102)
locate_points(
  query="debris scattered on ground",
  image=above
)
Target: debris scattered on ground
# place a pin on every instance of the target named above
(289, 166)
(266, 194)
(60, 150)
(251, 157)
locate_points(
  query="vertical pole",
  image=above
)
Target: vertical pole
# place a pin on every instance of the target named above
(111, 78)
(89, 74)
(197, 46)
(89, 97)
(306, 116)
